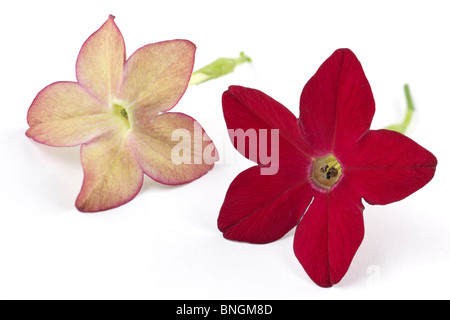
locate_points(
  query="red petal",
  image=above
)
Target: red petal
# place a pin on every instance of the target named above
(263, 208)
(387, 166)
(329, 234)
(251, 111)
(336, 105)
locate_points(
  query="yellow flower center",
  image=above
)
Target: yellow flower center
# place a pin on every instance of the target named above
(326, 172)
(121, 114)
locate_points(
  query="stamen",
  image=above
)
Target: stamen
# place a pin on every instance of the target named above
(124, 113)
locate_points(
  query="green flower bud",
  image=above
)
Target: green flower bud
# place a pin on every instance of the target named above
(218, 68)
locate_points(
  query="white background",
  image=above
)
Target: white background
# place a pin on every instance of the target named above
(165, 244)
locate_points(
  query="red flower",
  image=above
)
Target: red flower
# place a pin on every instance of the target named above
(329, 160)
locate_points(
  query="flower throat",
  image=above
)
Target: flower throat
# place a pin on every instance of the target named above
(122, 114)
(326, 172)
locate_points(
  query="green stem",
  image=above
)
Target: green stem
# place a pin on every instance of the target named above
(401, 127)
(218, 68)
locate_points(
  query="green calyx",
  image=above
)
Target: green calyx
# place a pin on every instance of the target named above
(218, 68)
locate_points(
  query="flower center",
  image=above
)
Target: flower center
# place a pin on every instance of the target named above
(326, 172)
(122, 114)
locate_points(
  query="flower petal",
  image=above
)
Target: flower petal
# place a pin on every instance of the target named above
(260, 208)
(173, 149)
(64, 114)
(100, 62)
(387, 166)
(336, 105)
(329, 234)
(157, 75)
(112, 175)
(263, 208)
(250, 111)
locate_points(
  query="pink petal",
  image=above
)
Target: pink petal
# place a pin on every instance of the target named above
(157, 75)
(64, 114)
(250, 111)
(387, 166)
(263, 208)
(329, 234)
(100, 62)
(173, 148)
(336, 105)
(112, 176)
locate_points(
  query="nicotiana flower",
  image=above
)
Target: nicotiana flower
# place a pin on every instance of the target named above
(329, 160)
(117, 112)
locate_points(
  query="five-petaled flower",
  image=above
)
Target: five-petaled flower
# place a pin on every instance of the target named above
(329, 160)
(116, 111)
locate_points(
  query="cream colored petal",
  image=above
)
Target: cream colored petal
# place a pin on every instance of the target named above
(64, 114)
(157, 75)
(174, 149)
(112, 176)
(100, 62)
